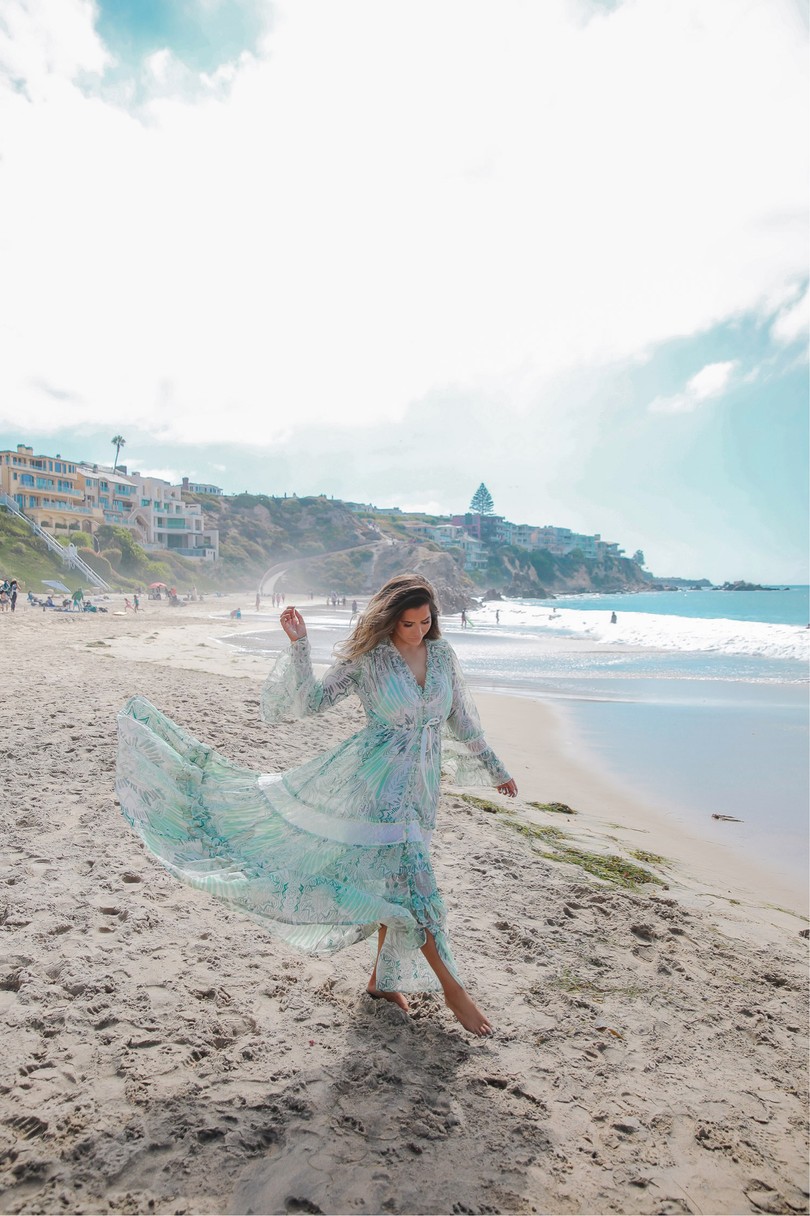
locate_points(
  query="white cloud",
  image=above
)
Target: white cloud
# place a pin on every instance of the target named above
(711, 381)
(793, 322)
(393, 199)
(47, 43)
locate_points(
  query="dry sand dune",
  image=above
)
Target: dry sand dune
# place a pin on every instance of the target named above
(161, 1054)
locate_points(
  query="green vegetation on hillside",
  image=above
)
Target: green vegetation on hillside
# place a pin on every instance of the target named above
(122, 563)
(257, 531)
(26, 557)
(515, 571)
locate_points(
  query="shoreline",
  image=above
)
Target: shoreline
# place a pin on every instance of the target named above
(722, 859)
(612, 812)
(611, 809)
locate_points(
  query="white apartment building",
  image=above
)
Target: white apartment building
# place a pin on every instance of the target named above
(111, 493)
(153, 510)
(451, 536)
(197, 487)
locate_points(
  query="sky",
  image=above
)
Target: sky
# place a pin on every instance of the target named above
(385, 251)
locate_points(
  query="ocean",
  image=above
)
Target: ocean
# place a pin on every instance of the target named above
(695, 700)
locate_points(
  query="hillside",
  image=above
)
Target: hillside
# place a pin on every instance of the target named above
(513, 571)
(122, 563)
(27, 558)
(257, 531)
(327, 548)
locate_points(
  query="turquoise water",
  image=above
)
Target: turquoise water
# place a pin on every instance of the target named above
(784, 606)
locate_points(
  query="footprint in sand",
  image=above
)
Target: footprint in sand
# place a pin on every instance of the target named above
(27, 1126)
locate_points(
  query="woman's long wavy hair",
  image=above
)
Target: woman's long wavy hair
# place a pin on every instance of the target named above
(384, 609)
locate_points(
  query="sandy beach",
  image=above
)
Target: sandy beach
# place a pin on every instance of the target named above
(162, 1054)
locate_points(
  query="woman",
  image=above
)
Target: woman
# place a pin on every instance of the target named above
(338, 849)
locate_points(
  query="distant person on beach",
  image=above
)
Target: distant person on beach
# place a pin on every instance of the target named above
(77, 597)
(463, 619)
(338, 850)
(613, 618)
(258, 601)
(497, 616)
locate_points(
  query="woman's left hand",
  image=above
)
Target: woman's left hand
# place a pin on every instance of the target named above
(509, 787)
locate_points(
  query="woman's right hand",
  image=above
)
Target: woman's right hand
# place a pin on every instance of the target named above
(293, 624)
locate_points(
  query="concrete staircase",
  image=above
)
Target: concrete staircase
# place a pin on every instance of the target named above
(69, 554)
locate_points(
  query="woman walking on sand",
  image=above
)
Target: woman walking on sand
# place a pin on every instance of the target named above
(336, 850)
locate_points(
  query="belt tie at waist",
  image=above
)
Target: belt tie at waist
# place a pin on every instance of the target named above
(429, 740)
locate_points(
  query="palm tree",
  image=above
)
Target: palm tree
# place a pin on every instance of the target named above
(119, 442)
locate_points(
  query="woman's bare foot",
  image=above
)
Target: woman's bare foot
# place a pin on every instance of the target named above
(396, 998)
(460, 1003)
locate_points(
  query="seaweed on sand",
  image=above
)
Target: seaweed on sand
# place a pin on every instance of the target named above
(482, 804)
(554, 808)
(608, 866)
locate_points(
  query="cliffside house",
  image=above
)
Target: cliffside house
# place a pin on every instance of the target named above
(65, 496)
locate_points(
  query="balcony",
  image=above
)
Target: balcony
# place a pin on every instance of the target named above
(47, 504)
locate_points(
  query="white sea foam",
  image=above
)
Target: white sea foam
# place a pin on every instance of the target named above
(653, 632)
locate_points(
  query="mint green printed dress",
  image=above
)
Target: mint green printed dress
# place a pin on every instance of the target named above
(324, 853)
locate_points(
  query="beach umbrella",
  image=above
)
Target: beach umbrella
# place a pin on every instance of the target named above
(51, 582)
(152, 586)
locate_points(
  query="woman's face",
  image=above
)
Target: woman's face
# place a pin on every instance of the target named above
(412, 626)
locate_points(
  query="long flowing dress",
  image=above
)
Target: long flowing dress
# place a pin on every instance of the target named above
(324, 853)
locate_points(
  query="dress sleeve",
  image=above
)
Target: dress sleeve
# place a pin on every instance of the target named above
(292, 691)
(473, 763)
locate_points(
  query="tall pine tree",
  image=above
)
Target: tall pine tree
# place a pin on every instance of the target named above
(481, 502)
